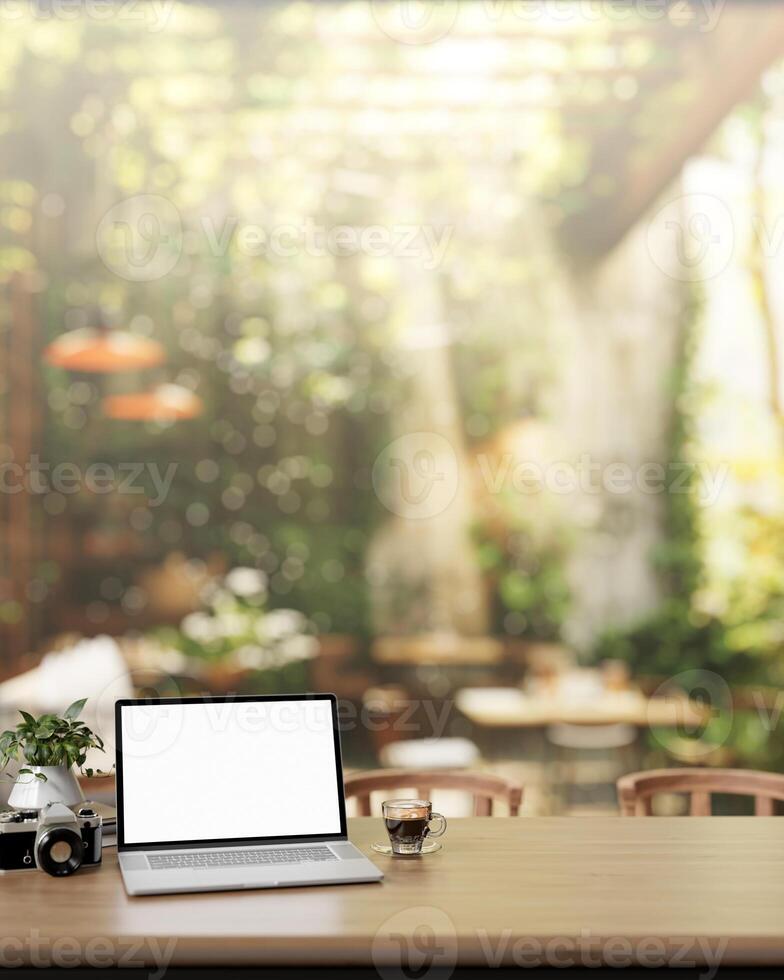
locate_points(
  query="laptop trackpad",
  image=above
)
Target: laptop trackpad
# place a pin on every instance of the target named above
(134, 862)
(346, 852)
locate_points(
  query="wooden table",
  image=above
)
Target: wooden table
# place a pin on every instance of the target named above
(513, 708)
(510, 891)
(437, 650)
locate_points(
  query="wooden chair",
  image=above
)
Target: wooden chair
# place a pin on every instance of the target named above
(483, 787)
(636, 790)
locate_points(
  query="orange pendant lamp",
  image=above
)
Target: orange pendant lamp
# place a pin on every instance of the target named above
(104, 351)
(165, 403)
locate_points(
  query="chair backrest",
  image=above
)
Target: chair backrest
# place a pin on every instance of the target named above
(637, 789)
(483, 787)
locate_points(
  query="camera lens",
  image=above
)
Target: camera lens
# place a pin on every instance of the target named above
(60, 851)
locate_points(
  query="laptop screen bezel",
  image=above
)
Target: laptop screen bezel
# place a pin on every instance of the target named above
(122, 845)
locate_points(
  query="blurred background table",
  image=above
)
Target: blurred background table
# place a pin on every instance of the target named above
(514, 708)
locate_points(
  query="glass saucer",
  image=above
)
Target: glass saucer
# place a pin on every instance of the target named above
(429, 847)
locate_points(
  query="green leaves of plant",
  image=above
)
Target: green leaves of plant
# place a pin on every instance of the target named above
(29, 772)
(50, 740)
(75, 709)
(9, 746)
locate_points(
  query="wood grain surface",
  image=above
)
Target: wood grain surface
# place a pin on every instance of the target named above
(502, 891)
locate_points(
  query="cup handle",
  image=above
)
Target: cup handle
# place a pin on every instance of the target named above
(441, 829)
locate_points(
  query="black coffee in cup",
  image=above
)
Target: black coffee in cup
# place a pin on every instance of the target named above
(408, 824)
(406, 830)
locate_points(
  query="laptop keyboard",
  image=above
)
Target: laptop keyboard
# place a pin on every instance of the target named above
(236, 859)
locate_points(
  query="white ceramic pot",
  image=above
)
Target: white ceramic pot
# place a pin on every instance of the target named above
(60, 786)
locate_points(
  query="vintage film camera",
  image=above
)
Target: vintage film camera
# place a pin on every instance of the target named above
(55, 839)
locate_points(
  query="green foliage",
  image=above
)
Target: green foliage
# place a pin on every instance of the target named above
(740, 640)
(50, 740)
(670, 641)
(294, 357)
(331, 590)
(283, 680)
(291, 357)
(530, 593)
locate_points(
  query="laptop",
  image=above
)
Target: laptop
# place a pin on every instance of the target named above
(222, 793)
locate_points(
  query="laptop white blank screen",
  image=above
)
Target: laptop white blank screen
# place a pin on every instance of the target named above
(227, 771)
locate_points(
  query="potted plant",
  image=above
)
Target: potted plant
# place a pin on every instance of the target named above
(50, 745)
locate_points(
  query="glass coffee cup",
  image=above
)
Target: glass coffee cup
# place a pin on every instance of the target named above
(408, 824)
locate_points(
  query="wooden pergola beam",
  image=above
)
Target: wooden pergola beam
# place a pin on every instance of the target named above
(745, 43)
(21, 416)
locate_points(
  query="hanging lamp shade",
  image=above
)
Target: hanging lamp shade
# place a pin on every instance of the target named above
(166, 403)
(104, 351)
